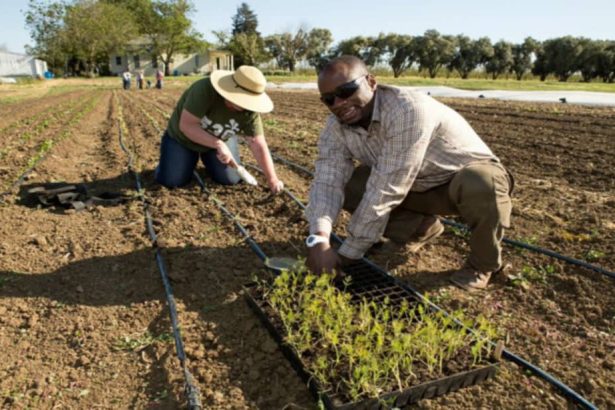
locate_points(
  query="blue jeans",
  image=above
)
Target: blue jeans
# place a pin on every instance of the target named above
(178, 162)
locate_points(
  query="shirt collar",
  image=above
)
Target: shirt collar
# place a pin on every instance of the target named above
(377, 104)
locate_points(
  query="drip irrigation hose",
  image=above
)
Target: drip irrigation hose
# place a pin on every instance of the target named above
(537, 249)
(511, 242)
(253, 245)
(191, 390)
(566, 391)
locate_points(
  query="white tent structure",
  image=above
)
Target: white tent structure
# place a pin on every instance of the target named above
(13, 64)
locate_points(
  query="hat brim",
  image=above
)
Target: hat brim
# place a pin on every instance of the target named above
(223, 83)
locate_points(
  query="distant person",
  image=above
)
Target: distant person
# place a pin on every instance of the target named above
(126, 77)
(419, 159)
(209, 117)
(140, 78)
(159, 78)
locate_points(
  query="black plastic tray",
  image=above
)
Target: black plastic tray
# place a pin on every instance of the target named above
(374, 286)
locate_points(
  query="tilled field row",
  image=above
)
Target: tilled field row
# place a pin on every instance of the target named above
(42, 139)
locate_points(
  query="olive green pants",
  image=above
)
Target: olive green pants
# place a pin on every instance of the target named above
(479, 193)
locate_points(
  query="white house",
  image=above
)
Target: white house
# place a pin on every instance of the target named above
(195, 63)
(14, 64)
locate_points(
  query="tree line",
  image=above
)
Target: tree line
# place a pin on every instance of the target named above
(79, 35)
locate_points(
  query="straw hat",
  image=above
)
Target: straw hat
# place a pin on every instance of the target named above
(245, 88)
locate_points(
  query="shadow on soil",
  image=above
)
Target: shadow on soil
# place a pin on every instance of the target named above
(204, 280)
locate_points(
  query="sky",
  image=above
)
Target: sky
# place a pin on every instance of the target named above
(498, 20)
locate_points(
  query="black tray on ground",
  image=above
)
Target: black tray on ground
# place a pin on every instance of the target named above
(373, 285)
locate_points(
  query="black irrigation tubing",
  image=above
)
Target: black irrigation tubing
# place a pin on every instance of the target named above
(191, 390)
(544, 251)
(566, 391)
(511, 242)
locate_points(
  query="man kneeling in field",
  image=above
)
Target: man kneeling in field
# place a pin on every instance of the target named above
(419, 158)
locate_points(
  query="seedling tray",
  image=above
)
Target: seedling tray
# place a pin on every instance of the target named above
(375, 286)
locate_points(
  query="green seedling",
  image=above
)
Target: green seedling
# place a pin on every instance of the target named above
(140, 342)
(531, 274)
(362, 349)
(594, 254)
(460, 232)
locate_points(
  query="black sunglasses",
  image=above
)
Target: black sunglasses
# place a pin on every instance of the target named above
(343, 91)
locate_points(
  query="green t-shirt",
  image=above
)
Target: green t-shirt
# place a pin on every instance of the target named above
(202, 100)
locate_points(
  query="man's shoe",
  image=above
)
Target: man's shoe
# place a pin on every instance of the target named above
(470, 279)
(428, 235)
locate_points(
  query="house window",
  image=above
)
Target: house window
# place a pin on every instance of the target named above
(137, 59)
(118, 60)
(154, 62)
(218, 63)
(197, 60)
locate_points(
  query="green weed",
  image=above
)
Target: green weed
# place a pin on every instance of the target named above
(460, 232)
(139, 342)
(531, 274)
(593, 255)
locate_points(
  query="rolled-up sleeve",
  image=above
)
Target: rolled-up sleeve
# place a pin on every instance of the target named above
(407, 136)
(333, 170)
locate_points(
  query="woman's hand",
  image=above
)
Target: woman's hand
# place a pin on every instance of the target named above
(223, 153)
(276, 186)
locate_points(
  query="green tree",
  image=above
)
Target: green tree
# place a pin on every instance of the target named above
(558, 56)
(245, 20)
(248, 49)
(92, 30)
(501, 61)
(606, 62)
(434, 51)
(365, 48)
(246, 42)
(319, 43)
(522, 57)
(170, 31)
(469, 54)
(45, 21)
(588, 61)
(398, 51)
(288, 48)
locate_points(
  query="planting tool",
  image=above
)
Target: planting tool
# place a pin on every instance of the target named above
(279, 263)
(243, 173)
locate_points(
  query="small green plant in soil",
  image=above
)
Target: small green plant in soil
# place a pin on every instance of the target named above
(139, 342)
(594, 254)
(531, 274)
(363, 349)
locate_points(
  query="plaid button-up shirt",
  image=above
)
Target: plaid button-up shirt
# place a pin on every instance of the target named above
(413, 143)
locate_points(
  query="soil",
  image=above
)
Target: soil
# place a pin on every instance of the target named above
(83, 311)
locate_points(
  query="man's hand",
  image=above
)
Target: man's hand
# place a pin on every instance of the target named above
(223, 153)
(276, 186)
(322, 258)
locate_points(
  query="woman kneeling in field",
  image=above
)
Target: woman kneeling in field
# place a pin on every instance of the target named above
(206, 122)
